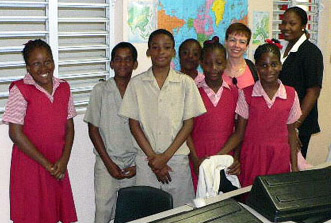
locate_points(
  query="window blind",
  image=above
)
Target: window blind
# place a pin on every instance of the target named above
(310, 6)
(79, 33)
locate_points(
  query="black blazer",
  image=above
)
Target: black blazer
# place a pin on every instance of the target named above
(302, 70)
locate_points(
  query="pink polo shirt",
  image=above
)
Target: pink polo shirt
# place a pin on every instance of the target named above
(17, 105)
(258, 91)
(199, 78)
(214, 97)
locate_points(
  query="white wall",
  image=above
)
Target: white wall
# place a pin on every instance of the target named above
(320, 143)
(5, 158)
(81, 170)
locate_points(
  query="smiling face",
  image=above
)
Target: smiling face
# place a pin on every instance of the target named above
(41, 66)
(236, 45)
(213, 64)
(123, 63)
(268, 67)
(161, 50)
(291, 26)
(190, 56)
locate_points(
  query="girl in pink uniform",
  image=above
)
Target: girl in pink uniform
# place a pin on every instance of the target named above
(212, 129)
(40, 114)
(267, 114)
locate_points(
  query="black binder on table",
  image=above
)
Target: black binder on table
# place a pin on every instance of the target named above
(301, 196)
(227, 211)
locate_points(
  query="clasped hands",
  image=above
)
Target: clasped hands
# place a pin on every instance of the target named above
(158, 164)
(58, 169)
(119, 173)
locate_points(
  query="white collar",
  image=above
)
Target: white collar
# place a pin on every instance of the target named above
(294, 48)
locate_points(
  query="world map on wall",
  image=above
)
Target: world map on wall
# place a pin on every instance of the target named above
(199, 19)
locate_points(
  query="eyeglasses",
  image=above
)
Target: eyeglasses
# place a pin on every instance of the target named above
(234, 81)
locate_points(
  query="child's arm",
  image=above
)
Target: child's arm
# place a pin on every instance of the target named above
(141, 138)
(236, 137)
(60, 166)
(234, 169)
(193, 155)
(293, 144)
(161, 174)
(158, 161)
(99, 145)
(18, 137)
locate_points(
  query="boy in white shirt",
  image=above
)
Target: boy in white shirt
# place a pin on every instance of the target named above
(110, 134)
(160, 104)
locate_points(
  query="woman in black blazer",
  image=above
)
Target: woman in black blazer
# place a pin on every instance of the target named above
(303, 70)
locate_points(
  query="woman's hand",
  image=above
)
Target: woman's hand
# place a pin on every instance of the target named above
(299, 143)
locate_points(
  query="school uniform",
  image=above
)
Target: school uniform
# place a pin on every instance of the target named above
(265, 148)
(212, 129)
(35, 195)
(303, 69)
(102, 112)
(161, 113)
(199, 78)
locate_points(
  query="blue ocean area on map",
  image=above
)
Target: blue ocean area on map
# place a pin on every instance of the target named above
(198, 19)
(203, 19)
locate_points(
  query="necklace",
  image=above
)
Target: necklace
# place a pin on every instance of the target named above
(236, 72)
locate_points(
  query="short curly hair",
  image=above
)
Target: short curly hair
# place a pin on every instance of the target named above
(33, 44)
(125, 45)
(159, 32)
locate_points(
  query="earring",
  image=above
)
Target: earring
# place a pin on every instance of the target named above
(303, 30)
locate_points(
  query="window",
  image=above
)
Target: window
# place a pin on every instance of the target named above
(80, 35)
(310, 6)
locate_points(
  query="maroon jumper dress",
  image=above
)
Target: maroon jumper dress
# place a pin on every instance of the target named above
(212, 129)
(266, 149)
(35, 195)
